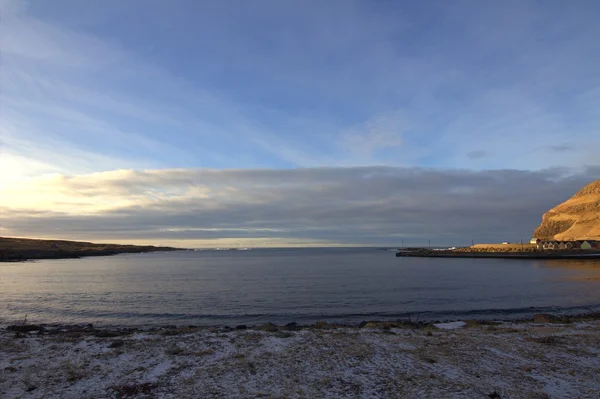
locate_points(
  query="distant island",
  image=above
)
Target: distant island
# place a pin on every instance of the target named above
(569, 230)
(20, 249)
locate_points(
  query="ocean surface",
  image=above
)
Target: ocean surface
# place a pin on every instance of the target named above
(343, 285)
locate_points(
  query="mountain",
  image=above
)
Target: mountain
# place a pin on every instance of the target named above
(575, 219)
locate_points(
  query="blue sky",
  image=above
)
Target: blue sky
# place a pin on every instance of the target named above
(96, 86)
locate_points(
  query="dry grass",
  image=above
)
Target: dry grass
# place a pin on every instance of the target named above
(547, 340)
(73, 372)
(132, 390)
(11, 345)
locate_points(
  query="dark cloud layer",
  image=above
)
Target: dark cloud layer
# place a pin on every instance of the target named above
(368, 205)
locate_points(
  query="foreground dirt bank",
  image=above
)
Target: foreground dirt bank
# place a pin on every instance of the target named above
(470, 360)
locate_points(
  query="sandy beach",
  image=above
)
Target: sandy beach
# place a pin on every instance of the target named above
(379, 360)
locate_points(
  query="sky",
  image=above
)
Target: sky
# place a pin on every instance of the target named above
(284, 123)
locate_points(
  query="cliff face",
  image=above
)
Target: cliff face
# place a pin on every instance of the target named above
(577, 218)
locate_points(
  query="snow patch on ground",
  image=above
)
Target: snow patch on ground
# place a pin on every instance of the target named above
(516, 360)
(451, 325)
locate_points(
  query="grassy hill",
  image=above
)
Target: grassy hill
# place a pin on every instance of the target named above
(574, 219)
(16, 249)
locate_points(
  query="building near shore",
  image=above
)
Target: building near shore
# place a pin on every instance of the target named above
(589, 244)
(546, 245)
(555, 245)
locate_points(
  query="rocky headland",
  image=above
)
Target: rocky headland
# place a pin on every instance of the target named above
(575, 219)
(20, 249)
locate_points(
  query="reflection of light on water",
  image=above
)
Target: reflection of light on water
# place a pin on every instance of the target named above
(591, 264)
(586, 269)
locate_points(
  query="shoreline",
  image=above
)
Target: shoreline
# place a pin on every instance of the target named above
(20, 256)
(24, 249)
(422, 318)
(591, 255)
(540, 358)
(94, 328)
(417, 319)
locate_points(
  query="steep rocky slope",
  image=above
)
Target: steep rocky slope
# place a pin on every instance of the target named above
(574, 219)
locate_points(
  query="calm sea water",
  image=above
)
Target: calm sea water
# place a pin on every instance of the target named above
(284, 285)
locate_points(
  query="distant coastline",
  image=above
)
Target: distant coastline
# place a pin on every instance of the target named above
(499, 251)
(24, 249)
(500, 255)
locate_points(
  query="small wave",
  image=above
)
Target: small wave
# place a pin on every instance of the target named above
(54, 315)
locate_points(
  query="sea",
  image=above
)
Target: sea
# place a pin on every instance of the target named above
(283, 285)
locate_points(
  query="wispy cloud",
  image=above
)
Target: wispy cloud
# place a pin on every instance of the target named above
(561, 147)
(147, 85)
(477, 154)
(75, 89)
(383, 132)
